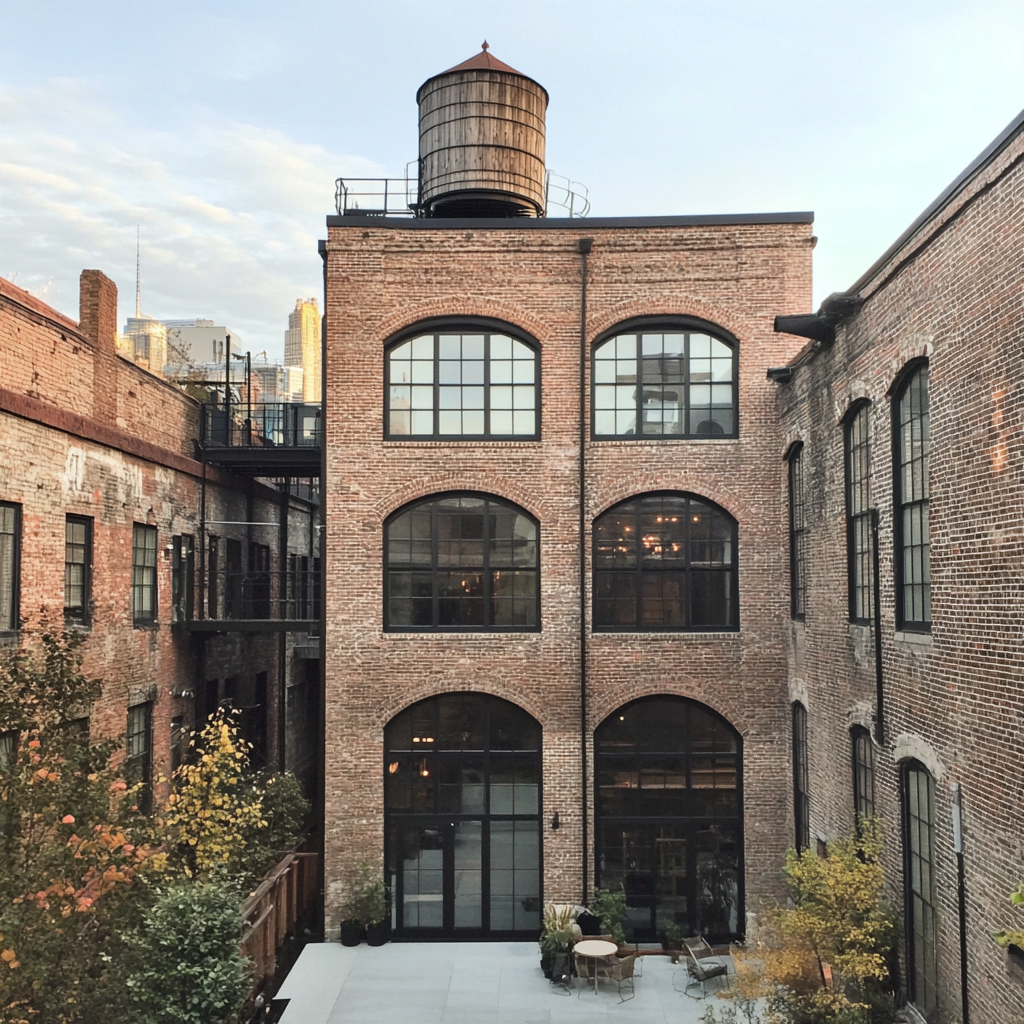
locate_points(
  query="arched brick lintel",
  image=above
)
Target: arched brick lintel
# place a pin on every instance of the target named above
(402, 317)
(601, 318)
(600, 707)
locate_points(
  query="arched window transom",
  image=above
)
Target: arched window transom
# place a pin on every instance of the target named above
(665, 562)
(664, 382)
(452, 384)
(461, 562)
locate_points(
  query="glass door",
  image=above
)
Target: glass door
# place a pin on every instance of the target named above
(462, 812)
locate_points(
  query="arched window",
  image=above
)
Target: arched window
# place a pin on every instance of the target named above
(462, 806)
(913, 535)
(863, 775)
(460, 382)
(858, 511)
(669, 817)
(919, 879)
(664, 381)
(461, 562)
(665, 562)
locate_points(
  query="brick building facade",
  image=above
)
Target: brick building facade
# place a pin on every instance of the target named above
(105, 506)
(666, 742)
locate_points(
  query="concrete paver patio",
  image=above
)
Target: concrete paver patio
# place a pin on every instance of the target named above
(469, 983)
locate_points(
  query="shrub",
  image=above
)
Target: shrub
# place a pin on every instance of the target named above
(183, 964)
(609, 907)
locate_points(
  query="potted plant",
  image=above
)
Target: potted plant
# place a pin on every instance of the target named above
(366, 908)
(555, 940)
(673, 940)
(377, 910)
(609, 907)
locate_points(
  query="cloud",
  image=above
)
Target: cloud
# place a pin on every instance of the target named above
(229, 213)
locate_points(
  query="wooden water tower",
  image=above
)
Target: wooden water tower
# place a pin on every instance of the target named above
(482, 141)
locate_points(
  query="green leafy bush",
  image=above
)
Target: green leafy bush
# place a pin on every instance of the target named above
(183, 964)
(609, 907)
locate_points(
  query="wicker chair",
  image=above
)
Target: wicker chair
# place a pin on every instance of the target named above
(622, 971)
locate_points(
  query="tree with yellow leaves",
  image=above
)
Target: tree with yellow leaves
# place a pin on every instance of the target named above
(213, 813)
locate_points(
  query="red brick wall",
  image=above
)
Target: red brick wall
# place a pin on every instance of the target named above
(954, 698)
(380, 281)
(85, 432)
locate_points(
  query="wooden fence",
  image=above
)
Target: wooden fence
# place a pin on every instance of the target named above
(272, 912)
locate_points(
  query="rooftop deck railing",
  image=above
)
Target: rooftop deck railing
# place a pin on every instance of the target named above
(261, 425)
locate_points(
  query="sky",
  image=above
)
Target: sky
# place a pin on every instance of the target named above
(217, 129)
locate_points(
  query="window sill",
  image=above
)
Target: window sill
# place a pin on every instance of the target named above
(479, 442)
(148, 624)
(716, 634)
(605, 439)
(914, 639)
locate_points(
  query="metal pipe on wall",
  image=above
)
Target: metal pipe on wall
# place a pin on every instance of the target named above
(585, 246)
(876, 587)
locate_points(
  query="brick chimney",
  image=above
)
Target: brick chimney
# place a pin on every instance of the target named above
(97, 306)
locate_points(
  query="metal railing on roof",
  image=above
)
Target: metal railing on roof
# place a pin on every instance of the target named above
(399, 197)
(261, 425)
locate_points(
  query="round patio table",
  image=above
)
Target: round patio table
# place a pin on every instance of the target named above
(595, 949)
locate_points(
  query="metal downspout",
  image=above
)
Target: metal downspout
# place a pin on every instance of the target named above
(585, 245)
(879, 678)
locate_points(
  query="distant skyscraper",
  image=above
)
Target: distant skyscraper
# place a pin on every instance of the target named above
(147, 342)
(302, 346)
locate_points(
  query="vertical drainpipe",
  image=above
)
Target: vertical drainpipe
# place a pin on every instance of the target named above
(585, 245)
(956, 793)
(876, 587)
(320, 800)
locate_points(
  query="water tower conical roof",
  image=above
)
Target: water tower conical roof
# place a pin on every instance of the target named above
(482, 61)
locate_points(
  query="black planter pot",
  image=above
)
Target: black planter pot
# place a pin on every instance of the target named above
(379, 933)
(546, 964)
(351, 933)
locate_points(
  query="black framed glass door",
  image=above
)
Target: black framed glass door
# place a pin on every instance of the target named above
(669, 817)
(462, 813)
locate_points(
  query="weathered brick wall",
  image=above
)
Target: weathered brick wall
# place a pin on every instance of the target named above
(953, 699)
(382, 280)
(84, 432)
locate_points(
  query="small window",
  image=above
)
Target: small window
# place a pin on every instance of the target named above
(863, 775)
(801, 798)
(8, 747)
(858, 514)
(143, 573)
(797, 534)
(234, 578)
(183, 578)
(257, 593)
(913, 535)
(77, 569)
(919, 878)
(664, 382)
(665, 562)
(455, 384)
(10, 554)
(139, 750)
(462, 562)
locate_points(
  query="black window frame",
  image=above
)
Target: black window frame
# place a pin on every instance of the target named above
(651, 799)
(862, 749)
(433, 500)
(857, 478)
(920, 902)
(914, 372)
(639, 569)
(461, 325)
(140, 571)
(798, 532)
(80, 615)
(139, 761)
(663, 325)
(11, 622)
(801, 778)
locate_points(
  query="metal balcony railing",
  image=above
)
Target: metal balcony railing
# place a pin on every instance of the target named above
(254, 596)
(261, 425)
